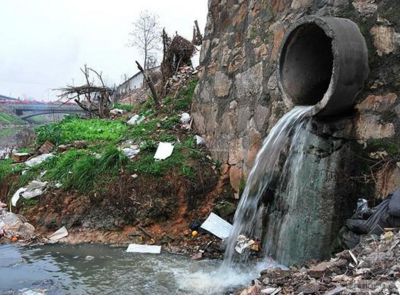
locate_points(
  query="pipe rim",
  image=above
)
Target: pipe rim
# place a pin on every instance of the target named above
(322, 24)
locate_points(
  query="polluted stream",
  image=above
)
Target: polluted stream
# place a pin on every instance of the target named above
(101, 269)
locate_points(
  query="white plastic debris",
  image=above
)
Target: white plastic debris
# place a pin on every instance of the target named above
(164, 150)
(185, 118)
(117, 111)
(59, 234)
(135, 119)
(132, 151)
(38, 159)
(34, 188)
(149, 249)
(16, 196)
(243, 243)
(217, 226)
(199, 140)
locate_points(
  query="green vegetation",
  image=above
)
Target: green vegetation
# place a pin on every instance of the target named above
(93, 168)
(5, 169)
(79, 170)
(126, 107)
(391, 147)
(6, 118)
(73, 128)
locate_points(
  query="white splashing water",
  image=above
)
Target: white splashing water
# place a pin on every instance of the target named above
(263, 177)
(288, 132)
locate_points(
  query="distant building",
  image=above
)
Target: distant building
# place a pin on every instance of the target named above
(5, 98)
(133, 84)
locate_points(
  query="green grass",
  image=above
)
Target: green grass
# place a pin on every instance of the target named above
(183, 100)
(125, 107)
(6, 118)
(5, 169)
(73, 128)
(79, 170)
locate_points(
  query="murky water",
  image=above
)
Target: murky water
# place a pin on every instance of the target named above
(99, 269)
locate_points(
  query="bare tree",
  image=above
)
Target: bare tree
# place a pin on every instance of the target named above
(146, 36)
(90, 97)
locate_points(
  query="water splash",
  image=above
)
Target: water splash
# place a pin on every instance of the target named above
(265, 177)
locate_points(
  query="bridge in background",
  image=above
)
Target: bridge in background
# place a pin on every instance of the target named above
(26, 111)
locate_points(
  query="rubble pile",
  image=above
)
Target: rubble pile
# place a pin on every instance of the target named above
(373, 267)
(180, 79)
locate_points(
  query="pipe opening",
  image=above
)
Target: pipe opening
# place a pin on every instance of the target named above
(306, 64)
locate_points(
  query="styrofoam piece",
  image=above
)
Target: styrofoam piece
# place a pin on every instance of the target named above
(217, 226)
(164, 150)
(148, 249)
(59, 234)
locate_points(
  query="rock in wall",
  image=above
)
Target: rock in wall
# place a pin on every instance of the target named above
(237, 100)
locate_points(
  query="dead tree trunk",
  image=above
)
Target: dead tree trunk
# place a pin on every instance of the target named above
(150, 84)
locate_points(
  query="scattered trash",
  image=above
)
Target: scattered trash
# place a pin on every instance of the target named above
(89, 258)
(243, 243)
(199, 140)
(59, 234)
(134, 176)
(217, 226)
(135, 119)
(131, 151)
(197, 256)
(58, 185)
(19, 157)
(34, 188)
(194, 233)
(16, 196)
(117, 111)
(149, 249)
(185, 118)
(46, 147)
(164, 150)
(38, 159)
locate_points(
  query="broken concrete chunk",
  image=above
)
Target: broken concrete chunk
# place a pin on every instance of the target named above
(46, 148)
(59, 234)
(135, 119)
(38, 159)
(217, 226)
(164, 150)
(148, 249)
(19, 157)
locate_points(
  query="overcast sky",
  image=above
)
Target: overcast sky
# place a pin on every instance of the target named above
(43, 43)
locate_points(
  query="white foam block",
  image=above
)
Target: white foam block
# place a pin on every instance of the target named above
(217, 226)
(149, 249)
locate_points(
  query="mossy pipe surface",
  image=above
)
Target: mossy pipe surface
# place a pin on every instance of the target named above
(323, 62)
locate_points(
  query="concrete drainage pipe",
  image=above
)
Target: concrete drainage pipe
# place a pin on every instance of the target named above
(323, 62)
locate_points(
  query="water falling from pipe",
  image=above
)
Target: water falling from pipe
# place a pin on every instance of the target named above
(265, 177)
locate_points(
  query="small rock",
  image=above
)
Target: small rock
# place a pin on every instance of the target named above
(268, 290)
(185, 118)
(309, 288)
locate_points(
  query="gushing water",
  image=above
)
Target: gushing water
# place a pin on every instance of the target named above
(265, 177)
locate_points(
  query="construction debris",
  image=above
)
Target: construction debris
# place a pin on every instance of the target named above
(373, 267)
(14, 228)
(46, 147)
(19, 157)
